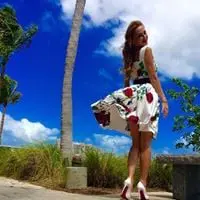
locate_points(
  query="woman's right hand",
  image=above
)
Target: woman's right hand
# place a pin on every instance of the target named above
(165, 108)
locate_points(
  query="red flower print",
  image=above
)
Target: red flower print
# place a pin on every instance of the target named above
(128, 92)
(133, 119)
(103, 118)
(149, 97)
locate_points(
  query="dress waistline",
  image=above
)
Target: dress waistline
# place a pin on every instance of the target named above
(141, 81)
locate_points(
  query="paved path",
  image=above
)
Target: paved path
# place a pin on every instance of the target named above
(14, 190)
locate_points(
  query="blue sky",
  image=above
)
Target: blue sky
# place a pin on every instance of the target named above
(39, 70)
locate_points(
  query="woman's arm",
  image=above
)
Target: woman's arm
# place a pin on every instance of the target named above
(127, 75)
(149, 63)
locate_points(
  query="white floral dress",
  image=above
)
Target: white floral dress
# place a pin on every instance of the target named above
(138, 103)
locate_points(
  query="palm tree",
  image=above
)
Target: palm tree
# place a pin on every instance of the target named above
(8, 95)
(66, 118)
(12, 36)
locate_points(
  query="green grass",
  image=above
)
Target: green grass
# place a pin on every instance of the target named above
(104, 169)
(160, 175)
(36, 163)
(109, 171)
(43, 165)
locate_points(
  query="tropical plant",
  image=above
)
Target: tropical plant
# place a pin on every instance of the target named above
(12, 36)
(8, 95)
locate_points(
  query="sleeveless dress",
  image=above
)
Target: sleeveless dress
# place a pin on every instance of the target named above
(138, 103)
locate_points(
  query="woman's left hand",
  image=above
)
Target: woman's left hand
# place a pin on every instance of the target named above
(165, 108)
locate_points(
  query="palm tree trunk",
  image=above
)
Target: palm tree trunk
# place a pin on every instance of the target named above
(2, 122)
(3, 65)
(66, 118)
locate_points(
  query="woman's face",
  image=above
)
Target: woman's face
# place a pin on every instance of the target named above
(140, 37)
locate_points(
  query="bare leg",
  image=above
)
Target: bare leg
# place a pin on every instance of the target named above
(145, 155)
(133, 152)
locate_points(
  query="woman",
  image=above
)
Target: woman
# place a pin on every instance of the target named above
(134, 109)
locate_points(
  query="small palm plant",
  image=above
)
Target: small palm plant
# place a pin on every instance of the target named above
(8, 95)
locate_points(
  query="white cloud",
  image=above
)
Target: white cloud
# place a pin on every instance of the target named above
(166, 150)
(68, 7)
(25, 131)
(163, 150)
(184, 141)
(88, 140)
(105, 74)
(47, 22)
(113, 143)
(173, 27)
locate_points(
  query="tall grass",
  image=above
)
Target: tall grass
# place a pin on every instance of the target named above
(109, 170)
(44, 165)
(104, 169)
(160, 175)
(36, 163)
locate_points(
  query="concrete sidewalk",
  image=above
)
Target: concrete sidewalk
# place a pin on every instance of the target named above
(14, 190)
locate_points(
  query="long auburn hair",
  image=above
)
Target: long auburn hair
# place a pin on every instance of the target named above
(129, 50)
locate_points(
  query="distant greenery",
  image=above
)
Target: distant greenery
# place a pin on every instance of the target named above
(188, 123)
(44, 165)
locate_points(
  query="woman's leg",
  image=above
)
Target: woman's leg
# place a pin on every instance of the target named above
(133, 152)
(145, 155)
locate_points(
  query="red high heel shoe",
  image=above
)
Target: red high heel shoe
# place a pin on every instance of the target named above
(126, 191)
